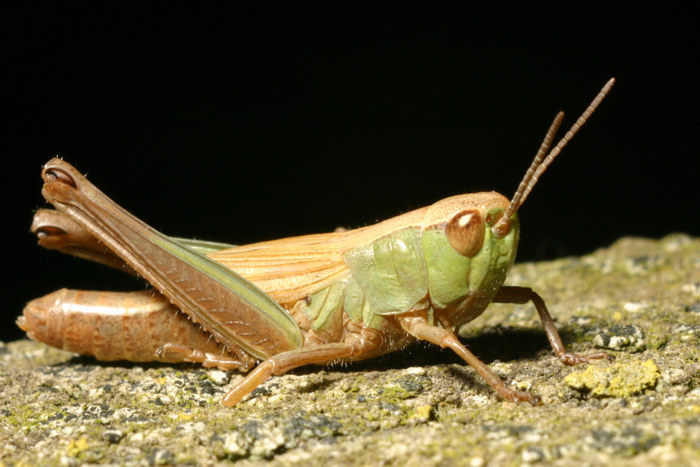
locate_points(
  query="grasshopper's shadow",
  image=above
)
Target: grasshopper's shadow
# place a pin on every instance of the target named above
(502, 344)
(88, 363)
(494, 344)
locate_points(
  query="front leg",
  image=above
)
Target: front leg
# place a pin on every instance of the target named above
(417, 325)
(520, 295)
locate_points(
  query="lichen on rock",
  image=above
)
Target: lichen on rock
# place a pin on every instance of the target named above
(622, 379)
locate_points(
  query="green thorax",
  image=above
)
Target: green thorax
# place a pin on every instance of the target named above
(414, 268)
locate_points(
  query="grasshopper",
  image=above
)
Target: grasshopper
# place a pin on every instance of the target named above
(315, 299)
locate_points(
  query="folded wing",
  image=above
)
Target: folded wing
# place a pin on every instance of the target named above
(290, 269)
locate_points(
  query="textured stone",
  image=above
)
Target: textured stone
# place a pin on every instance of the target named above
(422, 406)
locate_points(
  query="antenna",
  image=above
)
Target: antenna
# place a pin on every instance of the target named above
(540, 163)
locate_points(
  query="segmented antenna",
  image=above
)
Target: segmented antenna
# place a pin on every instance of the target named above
(540, 163)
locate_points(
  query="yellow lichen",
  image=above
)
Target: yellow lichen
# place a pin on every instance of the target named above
(76, 447)
(618, 380)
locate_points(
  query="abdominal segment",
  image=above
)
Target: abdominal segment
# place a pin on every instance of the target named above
(113, 325)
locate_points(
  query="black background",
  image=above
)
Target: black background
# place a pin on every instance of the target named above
(265, 123)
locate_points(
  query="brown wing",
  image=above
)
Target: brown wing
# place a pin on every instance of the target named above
(289, 269)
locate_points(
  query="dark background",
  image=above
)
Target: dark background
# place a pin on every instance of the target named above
(270, 122)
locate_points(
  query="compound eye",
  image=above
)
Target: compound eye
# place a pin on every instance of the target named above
(465, 231)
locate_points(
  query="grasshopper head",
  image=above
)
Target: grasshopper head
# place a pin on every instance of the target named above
(470, 241)
(463, 256)
(467, 219)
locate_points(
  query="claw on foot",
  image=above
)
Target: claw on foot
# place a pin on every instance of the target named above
(521, 396)
(575, 359)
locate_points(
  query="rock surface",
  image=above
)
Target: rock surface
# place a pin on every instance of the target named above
(638, 299)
